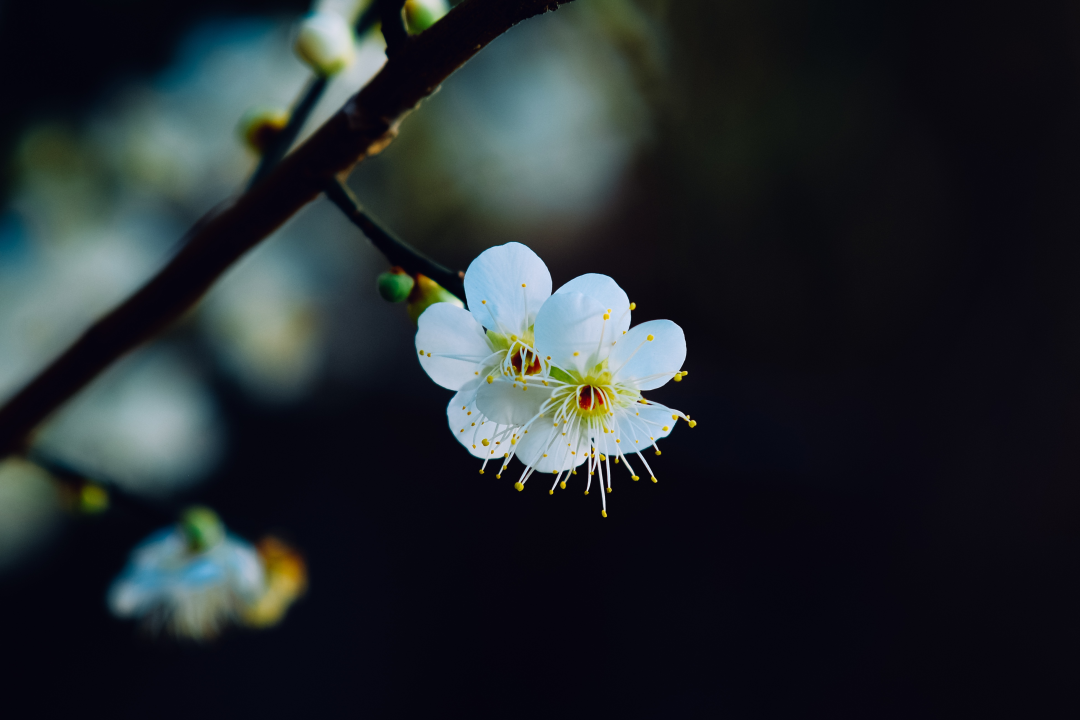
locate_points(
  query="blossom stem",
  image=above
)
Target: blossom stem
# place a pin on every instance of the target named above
(363, 127)
(283, 140)
(393, 26)
(397, 251)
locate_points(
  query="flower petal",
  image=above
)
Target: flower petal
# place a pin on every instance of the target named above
(648, 364)
(511, 403)
(545, 448)
(607, 292)
(570, 330)
(470, 426)
(451, 345)
(637, 428)
(505, 287)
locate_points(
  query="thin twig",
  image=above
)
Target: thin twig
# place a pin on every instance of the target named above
(366, 124)
(283, 140)
(393, 26)
(396, 250)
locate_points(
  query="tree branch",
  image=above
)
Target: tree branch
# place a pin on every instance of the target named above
(363, 127)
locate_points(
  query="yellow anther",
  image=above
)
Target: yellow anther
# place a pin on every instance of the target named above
(522, 284)
(483, 302)
(650, 338)
(551, 491)
(674, 417)
(498, 476)
(618, 440)
(576, 353)
(616, 461)
(586, 492)
(514, 337)
(461, 430)
(472, 424)
(562, 485)
(635, 478)
(609, 309)
(633, 306)
(474, 447)
(429, 354)
(657, 452)
(573, 472)
(606, 316)
(476, 373)
(591, 472)
(505, 454)
(513, 441)
(545, 382)
(481, 471)
(548, 357)
(421, 352)
(665, 428)
(609, 489)
(603, 457)
(518, 486)
(485, 442)
(602, 512)
(654, 479)
(677, 378)
(490, 379)
(545, 454)
(693, 423)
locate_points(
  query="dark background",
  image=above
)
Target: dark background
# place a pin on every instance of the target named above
(865, 216)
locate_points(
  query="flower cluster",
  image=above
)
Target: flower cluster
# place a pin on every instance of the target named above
(554, 380)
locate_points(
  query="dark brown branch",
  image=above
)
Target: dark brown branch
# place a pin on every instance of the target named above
(366, 124)
(396, 250)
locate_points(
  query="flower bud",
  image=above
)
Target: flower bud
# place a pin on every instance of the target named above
(325, 42)
(202, 528)
(259, 126)
(422, 14)
(395, 286)
(426, 293)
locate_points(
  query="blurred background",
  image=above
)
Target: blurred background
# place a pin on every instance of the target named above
(865, 218)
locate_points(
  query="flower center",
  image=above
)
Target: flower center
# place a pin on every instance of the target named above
(525, 361)
(590, 398)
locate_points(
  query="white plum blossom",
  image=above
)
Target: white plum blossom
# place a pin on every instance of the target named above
(554, 380)
(192, 588)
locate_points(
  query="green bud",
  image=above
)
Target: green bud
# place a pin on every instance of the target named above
(422, 14)
(395, 286)
(202, 527)
(426, 293)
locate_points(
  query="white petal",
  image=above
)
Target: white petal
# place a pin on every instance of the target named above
(507, 403)
(648, 364)
(505, 287)
(607, 292)
(471, 427)
(544, 439)
(570, 329)
(451, 344)
(636, 428)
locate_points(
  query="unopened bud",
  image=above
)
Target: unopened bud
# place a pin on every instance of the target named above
(202, 527)
(422, 14)
(259, 126)
(325, 42)
(426, 293)
(395, 286)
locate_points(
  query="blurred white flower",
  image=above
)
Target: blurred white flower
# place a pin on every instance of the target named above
(149, 424)
(567, 387)
(192, 579)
